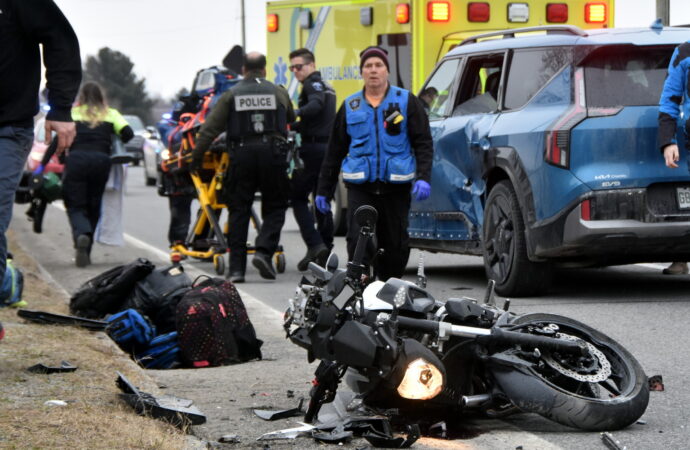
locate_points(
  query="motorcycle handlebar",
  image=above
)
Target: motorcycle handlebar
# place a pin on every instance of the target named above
(489, 335)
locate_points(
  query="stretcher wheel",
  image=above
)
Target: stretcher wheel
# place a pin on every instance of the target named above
(280, 262)
(219, 264)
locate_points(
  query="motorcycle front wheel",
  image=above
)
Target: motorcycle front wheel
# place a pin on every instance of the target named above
(606, 390)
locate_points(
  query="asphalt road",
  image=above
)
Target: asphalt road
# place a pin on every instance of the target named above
(635, 305)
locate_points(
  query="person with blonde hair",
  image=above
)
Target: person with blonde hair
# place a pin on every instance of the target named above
(87, 165)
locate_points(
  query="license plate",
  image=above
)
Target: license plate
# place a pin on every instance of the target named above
(683, 197)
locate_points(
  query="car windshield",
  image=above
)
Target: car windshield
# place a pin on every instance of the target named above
(135, 122)
(626, 75)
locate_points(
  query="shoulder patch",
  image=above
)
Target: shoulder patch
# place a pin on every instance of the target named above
(317, 86)
(354, 104)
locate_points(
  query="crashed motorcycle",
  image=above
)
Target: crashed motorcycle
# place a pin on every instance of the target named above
(397, 347)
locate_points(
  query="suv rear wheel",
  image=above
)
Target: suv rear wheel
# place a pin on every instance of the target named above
(505, 248)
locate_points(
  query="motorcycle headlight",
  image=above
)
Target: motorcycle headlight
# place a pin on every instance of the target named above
(422, 381)
(165, 154)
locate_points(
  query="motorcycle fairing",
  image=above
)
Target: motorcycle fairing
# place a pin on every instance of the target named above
(417, 300)
(354, 345)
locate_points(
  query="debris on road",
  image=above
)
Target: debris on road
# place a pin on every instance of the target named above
(64, 366)
(177, 411)
(280, 413)
(610, 442)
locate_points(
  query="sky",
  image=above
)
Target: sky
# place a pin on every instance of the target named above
(170, 40)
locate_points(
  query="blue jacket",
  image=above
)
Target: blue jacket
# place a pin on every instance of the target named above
(674, 94)
(378, 151)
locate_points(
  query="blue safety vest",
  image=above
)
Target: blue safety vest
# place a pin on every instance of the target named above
(374, 153)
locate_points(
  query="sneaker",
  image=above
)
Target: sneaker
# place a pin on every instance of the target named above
(318, 254)
(82, 254)
(676, 268)
(265, 266)
(237, 277)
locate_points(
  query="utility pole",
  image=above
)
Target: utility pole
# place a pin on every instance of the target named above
(662, 11)
(244, 35)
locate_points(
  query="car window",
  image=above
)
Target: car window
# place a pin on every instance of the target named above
(437, 90)
(530, 70)
(626, 75)
(480, 85)
(135, 122)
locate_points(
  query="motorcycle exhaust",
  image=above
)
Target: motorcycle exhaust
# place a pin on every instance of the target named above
(473, 401)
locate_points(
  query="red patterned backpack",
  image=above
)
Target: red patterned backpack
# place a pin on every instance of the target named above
(213, 326)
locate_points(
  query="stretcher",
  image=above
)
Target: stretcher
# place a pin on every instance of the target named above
(208, 183)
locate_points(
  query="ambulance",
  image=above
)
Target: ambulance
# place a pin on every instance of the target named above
(416, 33)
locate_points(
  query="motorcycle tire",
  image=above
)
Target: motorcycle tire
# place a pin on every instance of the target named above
(555, 396)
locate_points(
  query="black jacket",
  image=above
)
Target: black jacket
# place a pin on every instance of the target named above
(418, 133)
(316, 108)
(24, 24)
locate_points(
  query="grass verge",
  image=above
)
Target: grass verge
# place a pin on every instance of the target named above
(94, 417)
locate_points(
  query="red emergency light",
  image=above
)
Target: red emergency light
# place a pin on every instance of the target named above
(438, 11)
(402, 13)
(478, 12)
(595, 12)
(557, 12)
(272, 23)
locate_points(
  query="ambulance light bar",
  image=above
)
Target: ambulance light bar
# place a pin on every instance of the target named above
(557, 12)
(478, 12)
(595, 12)
(272, 23)
(518, 12)
(402, 13)
(438, 11)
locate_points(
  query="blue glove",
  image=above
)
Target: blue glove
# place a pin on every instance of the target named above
(38, 170)
(421, 190)
(323, 205)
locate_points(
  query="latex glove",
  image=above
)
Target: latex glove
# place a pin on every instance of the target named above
(421, 190)
(38, 170)
(323, 205)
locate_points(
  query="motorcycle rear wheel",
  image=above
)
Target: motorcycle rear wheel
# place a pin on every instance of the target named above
(610, 404)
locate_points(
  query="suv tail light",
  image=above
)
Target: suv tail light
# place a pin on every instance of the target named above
(595, 12)
(478, 12)
(557, 12)
(586, 210)
(558, 137)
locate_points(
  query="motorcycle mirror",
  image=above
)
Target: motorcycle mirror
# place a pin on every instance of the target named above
(366, 216)
(332, 262)
(234, 59)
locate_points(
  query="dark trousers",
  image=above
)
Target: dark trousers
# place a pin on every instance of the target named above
(180, 217)
(391, 230)
(303, 184)
(255, 168)
(83, 184)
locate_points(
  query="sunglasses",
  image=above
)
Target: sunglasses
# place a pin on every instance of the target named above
(296, 67)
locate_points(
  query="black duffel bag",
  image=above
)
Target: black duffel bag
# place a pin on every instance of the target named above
(106, 293)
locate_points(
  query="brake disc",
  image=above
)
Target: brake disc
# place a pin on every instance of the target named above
(602, 374)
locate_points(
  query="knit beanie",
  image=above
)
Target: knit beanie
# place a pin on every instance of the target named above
(373, 51)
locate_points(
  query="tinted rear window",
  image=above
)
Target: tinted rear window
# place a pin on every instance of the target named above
(626, 75)
(530, 70)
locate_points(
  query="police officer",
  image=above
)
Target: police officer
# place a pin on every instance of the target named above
(316, 112)
(382, 142)
(255, 113)
(674, 97)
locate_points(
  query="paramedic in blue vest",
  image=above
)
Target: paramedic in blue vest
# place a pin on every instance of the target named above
(316, 113)
(382, 143)
(674, 96)
(255, 113)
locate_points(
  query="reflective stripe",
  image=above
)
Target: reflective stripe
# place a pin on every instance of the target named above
(353, 175)
(407, 177)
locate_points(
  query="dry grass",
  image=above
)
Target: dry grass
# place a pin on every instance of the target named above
(94, 417)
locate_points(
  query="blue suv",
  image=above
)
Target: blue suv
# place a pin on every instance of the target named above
(545, 154)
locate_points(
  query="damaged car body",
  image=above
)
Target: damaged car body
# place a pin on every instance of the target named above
(546, 154)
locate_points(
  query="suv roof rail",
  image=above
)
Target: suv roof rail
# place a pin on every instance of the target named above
(550, 29)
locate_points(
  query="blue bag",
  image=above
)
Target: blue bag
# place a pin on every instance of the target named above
(12, 286)
(162, 353)
(129, 329)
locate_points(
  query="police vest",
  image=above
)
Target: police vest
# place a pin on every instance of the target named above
(255, 110)
(378, 151)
